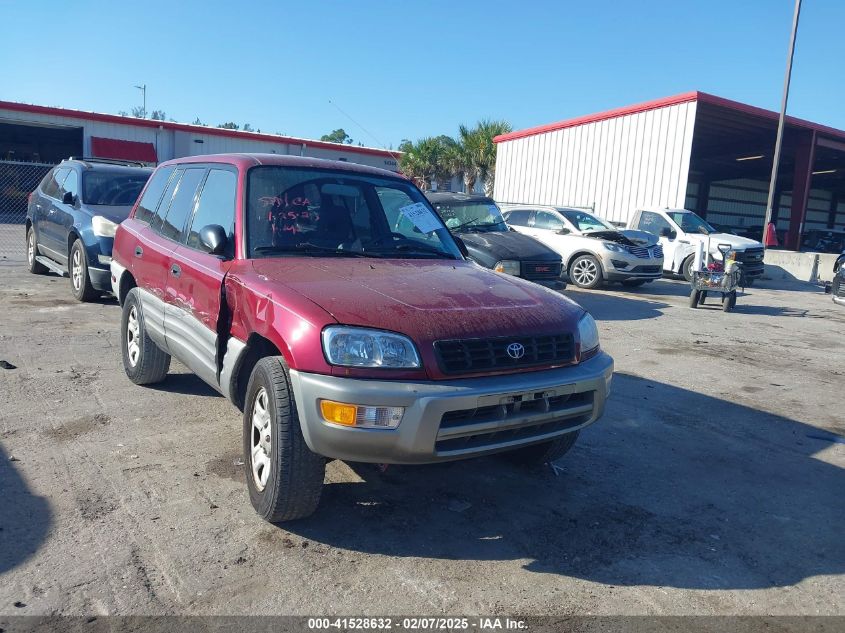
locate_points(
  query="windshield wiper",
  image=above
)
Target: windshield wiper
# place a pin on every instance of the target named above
(460, 226)
(418, 249)
(308, 248)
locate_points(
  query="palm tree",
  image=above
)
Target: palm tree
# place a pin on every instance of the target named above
(484, 150)
(425, 161)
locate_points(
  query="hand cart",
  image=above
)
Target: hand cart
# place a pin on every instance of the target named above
(723, 278)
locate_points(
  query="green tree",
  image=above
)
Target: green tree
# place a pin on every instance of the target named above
(139, 113)
(248, 128)
(426, 160)
(229, 126)
(484, 150)
(337, 136)
(158, 115)
(198, 122)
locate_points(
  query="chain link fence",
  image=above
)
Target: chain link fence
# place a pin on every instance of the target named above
(17, 181)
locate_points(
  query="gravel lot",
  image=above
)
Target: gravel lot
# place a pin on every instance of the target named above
(711, 486)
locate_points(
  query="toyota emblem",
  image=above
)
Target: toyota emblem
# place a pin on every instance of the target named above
(516, 350)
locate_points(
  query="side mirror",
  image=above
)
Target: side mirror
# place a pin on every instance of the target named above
(668, 233)
(68, 198)
(213, 239)
(564, 231)
(461, 246)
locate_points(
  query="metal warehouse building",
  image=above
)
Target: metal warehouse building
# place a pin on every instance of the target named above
(693, 150)
(33, 138)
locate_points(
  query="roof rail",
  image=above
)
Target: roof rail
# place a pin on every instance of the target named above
(108, 161)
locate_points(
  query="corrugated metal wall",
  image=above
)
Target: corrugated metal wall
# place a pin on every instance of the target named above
(614, 166)
(176, 144)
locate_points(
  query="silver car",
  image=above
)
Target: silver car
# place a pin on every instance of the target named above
(593, 251)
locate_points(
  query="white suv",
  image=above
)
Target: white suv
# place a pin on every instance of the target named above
(593, 251)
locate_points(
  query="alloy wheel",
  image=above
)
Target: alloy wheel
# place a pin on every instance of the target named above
(133, 336)
(30, 248)
(261, 446)
(76, 269)
(584, 272)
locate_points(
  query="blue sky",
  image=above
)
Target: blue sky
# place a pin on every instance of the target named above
(406, 70)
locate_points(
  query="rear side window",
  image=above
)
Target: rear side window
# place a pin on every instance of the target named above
(652, 223)
(166, 199)
(152, 196)
(216, 205)
(518, 218)
(546, 220)
(182, 204)
(53, 182)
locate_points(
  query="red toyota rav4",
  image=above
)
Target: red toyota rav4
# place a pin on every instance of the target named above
(331, 304)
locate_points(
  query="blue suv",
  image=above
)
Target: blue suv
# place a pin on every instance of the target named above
(72, 216)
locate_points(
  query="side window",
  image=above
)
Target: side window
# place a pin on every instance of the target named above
(53, 182)
(182, 204)
(519, 218)
(164, 206)
(152, 195)
(70, 185)
(546, 220)
(652, 222)
(216, 205)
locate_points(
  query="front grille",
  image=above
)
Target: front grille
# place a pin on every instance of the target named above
(646, 269)
(751, 257)
(517, 419)
(485, 354)
(541, 270)
(658, 252)
(639, 251)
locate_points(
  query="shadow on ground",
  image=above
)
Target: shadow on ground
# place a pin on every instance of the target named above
(25, 519)
(704, 494)
(606, 306)
(185, 384)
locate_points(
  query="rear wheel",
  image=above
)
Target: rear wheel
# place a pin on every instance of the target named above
(729, 301)
(285, 478)
(537, 454)
(144, 362)
(585, 272)
(35, 267)
(80, 281)
(633, 283)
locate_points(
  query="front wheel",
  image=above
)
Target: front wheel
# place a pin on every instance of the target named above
(80, 280)
(35, 267)
(585, 272)
(144, 362)
(694, 298)
(686, 268)
(285, 478)
(538, 454)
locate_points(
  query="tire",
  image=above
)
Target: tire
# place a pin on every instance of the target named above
(539, 454)
(686, 267)
(702, 295)
(585, 272)
(286, 485)
(729, 301)
(633, 283)
(77, 270)
(144, 362)
(35, 267)
(694, 298)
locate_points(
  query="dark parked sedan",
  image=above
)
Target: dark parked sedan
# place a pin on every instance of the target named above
(478, 221)
(72, 216)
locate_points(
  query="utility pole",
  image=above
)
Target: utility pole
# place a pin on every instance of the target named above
(779, 139)
(143, 90)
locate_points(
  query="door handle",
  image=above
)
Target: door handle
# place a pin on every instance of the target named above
(175, 270)
(139, 251)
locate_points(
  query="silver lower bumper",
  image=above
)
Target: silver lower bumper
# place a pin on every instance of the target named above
(454, 419)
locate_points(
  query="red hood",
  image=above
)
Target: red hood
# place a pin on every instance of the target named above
(424, 299)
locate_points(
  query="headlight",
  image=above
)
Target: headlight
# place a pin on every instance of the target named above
(588, 335)
(365, 347)
(616, 248)
(507, 266)
(103, 227)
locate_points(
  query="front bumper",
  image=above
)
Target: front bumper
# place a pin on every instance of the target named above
(454, 419)
(622, 266)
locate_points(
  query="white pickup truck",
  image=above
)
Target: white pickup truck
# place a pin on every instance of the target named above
(680, 230)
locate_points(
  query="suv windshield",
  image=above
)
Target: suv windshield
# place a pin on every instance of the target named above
(323, 213)
(114, 188)
(479, 215)
(690, 222)
(586, 222)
